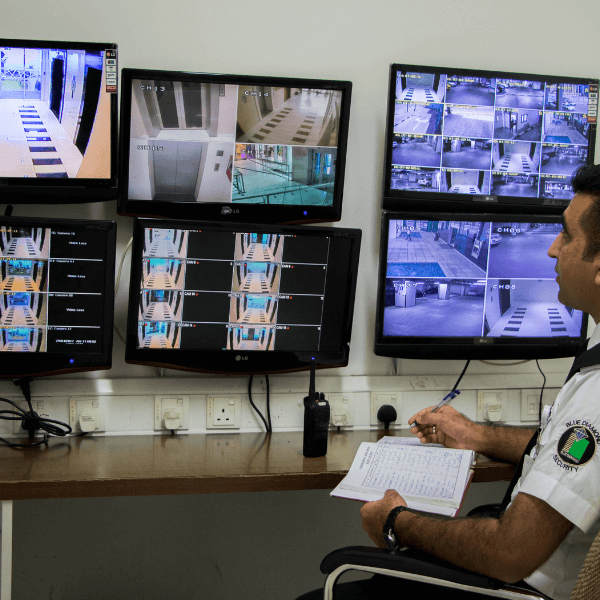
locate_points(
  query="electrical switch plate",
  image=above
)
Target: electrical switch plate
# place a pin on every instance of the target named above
(530, 402)
(379, 399)
(171, 412)
(90, 409)
(492, 405)
(341, 407)
(223, 412)
(38, 407)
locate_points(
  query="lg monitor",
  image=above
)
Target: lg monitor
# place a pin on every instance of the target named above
(485, 141)
(58, 121)
(243, 298)
(472, 286)
(56, 295)
(232, 147)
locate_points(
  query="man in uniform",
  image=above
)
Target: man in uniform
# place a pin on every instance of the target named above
(553, 513)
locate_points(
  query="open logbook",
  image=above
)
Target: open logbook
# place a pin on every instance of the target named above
(429, 477)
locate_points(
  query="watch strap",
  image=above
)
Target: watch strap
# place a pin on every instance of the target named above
(388, 527)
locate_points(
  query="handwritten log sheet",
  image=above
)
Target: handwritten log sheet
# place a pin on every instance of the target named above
(434, 475)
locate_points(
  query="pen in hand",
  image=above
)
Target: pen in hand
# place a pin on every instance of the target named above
(446, 400)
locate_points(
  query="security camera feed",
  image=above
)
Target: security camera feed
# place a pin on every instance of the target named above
(55, 112)
(226, 290)
(195, 142)
(474, 279)
(460, 133)
(52, 293)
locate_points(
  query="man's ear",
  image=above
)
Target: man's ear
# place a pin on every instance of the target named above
(596, 263)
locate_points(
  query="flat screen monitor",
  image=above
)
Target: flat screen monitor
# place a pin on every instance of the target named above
(472, 286)
(241, 298)
(232, 147)
(464, 139)
(56, 295)
(58, 121)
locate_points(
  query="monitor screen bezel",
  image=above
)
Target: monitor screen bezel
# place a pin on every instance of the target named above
(236, 362)
(228, 211)
(31, 190)
(474, 348)
(41, 364)
(400, 200)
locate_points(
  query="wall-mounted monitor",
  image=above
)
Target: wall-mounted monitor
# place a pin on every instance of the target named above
(463, 139)
(232, 147)
(58, 121)
(472, 286)
(56, 295)
(240, 298)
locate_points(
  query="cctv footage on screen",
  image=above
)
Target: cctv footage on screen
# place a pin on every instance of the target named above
(55, 113)
(474, 279)
(231, 291)
(51, 289)
(489, 136)
(224, 143)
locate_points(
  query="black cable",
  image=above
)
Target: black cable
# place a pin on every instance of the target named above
(268, 405)
(460, 376)
(31, 420)
(542, 392)
(254, 405)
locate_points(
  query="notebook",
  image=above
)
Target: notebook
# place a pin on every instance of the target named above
(429, 477)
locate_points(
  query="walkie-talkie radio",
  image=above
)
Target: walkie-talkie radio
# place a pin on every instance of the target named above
(316, 419)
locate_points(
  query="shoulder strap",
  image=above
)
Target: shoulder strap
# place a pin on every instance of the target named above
(587, 358)
(517, 474)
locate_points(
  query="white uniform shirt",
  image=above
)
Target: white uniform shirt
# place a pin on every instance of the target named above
(564, 471)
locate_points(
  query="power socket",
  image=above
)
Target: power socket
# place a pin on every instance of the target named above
(38, 407)
(378, 399)
(171, 412)
(86, 413)
(492, 406)
(341, 408)
(223, 412)
(530, 402)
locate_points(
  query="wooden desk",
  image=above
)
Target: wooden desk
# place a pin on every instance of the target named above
(84, 467)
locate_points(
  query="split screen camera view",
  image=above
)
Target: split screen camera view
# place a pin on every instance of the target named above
(51, 289)
(220, 290)
(225, 143)
(488, 135)
(474, 279)
(54, 113)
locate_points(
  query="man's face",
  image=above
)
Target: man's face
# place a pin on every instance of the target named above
(576, 277)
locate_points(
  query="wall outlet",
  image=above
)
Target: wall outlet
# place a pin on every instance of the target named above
(530, 402)
(38, 407)
(223, 412)
(171, 412)
(341, 408)
(86, 413)
(492, 406)
(379, 399)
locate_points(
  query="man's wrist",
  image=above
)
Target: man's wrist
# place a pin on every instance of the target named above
(389, 535)
(400, 523)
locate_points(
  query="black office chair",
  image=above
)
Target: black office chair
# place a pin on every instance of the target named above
(418, 566)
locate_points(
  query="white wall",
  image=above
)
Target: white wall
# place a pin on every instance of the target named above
(335, 39)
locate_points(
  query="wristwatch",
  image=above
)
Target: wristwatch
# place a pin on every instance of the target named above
(389, 537)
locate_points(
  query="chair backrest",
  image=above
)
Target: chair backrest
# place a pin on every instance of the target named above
(587, 586)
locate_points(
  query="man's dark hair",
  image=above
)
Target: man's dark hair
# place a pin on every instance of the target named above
(586, 180)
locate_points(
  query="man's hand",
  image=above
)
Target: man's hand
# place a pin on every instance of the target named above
(446, 426)
(450, 428)
(374, 514)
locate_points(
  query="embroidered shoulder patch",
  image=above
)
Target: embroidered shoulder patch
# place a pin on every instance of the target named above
(577, 446)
